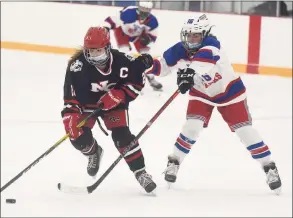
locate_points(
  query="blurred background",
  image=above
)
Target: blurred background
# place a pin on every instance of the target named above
(263, 8)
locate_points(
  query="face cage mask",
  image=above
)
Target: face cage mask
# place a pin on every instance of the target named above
(190, 46)
(143, 14)
(98, 60)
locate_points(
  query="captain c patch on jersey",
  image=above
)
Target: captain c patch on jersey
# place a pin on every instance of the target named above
(76, 66)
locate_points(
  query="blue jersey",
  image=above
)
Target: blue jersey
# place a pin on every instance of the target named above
(178, 52)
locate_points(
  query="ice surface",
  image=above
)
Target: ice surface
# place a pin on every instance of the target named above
(218, 178)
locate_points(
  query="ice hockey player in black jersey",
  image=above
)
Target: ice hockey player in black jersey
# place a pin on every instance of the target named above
(98, 74)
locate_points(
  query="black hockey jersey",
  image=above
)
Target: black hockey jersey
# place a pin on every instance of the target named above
(85, 84)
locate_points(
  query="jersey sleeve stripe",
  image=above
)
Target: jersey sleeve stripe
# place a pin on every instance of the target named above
(205, 60)
(72, 101)
(132, 88)
(156, 69)
(71, 105)
(129, 92)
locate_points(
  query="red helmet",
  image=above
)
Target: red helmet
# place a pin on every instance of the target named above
(95, 38)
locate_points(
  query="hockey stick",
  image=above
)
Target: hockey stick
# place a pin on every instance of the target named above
(50, 149)
(89, 189)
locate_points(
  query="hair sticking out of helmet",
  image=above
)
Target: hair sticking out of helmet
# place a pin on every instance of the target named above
(194, 31)
(144, 9)
(96, 47)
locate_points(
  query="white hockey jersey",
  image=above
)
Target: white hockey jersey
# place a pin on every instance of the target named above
(128, 20)
(216, 83)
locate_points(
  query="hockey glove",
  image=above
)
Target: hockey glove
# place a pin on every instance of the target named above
(70, 121)
(185, 79)
(145, 39)
(111, 99)
(146, 59)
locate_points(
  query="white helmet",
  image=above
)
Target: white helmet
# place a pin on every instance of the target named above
(198, 24)
(144, 9)
(145, 4)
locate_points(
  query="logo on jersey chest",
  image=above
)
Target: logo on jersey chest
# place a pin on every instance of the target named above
(105, 86)
(209, 81)
(136, 29)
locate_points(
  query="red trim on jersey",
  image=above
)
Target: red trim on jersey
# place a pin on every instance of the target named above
(130, 93)
(72, 101)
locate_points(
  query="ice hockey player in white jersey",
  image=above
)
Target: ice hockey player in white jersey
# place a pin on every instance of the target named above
(136, 25)
(205, 71)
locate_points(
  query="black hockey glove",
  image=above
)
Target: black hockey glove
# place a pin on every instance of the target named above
(146, 59)
(185, 79)
(145, 39)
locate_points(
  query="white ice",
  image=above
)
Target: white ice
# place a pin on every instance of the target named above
(218, 178)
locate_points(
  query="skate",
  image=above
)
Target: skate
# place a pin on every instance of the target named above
(94, 161)
(145, 180)
(273, 178)
(172, 169)
(154, 83)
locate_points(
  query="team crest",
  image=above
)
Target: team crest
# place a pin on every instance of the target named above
(76, 66)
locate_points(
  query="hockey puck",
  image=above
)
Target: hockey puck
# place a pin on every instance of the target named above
(10, 201)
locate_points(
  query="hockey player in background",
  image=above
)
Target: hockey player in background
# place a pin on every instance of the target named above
(205, 71)
(98, 74)
(135, 24)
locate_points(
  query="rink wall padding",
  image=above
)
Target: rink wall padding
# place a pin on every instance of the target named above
(240, 68)
(254, 44)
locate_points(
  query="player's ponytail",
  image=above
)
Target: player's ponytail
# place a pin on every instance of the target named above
(75, 54)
